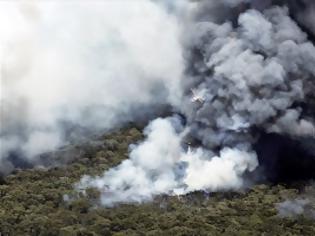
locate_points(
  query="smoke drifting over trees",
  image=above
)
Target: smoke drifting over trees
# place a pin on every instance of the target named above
(81, 66)
(230, 68)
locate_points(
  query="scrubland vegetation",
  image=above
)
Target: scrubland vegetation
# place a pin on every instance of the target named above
(32, 203)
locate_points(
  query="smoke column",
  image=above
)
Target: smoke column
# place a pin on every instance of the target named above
(248, 64)
(230, 68)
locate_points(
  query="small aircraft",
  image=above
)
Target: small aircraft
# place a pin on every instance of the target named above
(189, 149)
(198, 96)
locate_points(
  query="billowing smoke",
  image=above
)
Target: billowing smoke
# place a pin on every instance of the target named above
(252, 76)
(231, 69)
(248, 67)
(76, 67)
(160, 165)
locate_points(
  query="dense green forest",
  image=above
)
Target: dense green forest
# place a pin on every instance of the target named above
(32, 203)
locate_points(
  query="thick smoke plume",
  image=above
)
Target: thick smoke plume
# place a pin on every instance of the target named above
(247, 69)
(231, 69)
(160, 165)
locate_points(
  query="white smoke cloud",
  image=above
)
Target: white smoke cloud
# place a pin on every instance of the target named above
(223, 172)
(88, 64)
(160, 165)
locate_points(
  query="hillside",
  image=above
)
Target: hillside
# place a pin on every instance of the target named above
(33, 202)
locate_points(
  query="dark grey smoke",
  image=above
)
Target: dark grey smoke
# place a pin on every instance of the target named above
(285, 159)
(252, 75)
(304, 13)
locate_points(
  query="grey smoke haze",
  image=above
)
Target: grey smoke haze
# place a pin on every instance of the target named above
(303, 205)
(295, 208)
(95, 66)
(292, 208)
